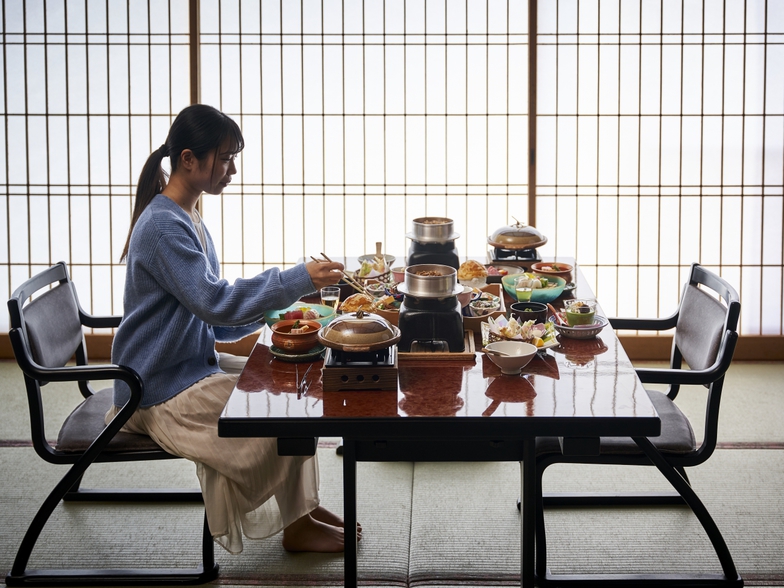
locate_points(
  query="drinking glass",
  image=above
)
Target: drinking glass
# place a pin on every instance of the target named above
(523, 288)
(330, 296)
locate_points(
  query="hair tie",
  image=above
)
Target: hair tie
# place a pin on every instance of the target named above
(164, 149)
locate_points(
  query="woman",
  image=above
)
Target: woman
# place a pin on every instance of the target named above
(176, 307)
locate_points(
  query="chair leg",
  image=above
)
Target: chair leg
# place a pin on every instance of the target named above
(21, 576)
(208, 549)
(541, 539)
(134, 495)
(697, 507)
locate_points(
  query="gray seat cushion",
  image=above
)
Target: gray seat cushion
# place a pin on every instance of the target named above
(86, 422)
(677, 435)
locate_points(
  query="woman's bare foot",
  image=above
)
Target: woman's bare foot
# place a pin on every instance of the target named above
(308, 534)
(319, 531)
(325, 516)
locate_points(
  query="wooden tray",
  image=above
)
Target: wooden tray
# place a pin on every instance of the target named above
(469, 354)
(473, 323)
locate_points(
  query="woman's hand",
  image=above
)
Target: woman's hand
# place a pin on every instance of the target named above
(324, 273)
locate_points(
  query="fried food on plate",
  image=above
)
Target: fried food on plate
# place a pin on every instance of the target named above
(470, 270)
(358, 301)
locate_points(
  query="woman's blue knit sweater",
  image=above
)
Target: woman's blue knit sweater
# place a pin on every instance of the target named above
(176, 306)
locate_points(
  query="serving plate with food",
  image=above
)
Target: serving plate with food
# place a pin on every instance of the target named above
(355, 302)
(300, 310)
(544, 289)
(495, 271)
(472, 273)
(540, 335)
(553, 268)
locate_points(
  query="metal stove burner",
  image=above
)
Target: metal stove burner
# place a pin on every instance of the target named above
(381, 357)
(498, 254)
(373, 370)
(433, 253)
(431, 324)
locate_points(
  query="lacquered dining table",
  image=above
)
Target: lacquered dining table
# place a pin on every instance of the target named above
(450, 410)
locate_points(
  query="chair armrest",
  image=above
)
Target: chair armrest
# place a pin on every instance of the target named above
(75, 373)
(99, 322)
(694, 377)
(644, 324)
(670, 376)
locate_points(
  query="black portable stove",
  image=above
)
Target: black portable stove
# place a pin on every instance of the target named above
(421, 252)
(431, 324)
(371, 370)
(513, 256)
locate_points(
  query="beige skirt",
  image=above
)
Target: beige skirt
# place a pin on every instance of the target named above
(248, 488)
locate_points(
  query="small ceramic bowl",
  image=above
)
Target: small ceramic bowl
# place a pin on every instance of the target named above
(518, 355)
(579, 312)
(375, 289)
(526, 311)
(581, 331)
(399, 274)
(370, 257)
(285, 340)
(484, 305)
(553, 268)
(465, 296)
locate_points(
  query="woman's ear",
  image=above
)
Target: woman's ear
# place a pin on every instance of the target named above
(188, 159)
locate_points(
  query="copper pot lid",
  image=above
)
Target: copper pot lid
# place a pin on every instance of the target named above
(359, 332)
(517, 236)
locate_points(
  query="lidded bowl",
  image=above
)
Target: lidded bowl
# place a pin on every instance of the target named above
(517, 236)
(359, 332)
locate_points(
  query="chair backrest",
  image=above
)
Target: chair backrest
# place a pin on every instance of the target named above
(709, 308)
(50, 323)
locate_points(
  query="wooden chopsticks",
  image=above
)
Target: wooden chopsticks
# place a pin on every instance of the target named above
(557, 316)
(346, 276)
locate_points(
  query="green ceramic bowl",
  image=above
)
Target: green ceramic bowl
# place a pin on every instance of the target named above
(327, 313)
(555, 287)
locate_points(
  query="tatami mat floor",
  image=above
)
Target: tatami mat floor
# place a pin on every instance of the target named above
(427, 524)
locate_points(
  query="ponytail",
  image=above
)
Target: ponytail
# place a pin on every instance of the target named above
(152, 181)
(200, 128)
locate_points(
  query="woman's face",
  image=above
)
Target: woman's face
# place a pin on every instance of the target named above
(215, 171)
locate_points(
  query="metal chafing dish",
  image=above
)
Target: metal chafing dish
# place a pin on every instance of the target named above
(359, 332)
(517, 236)
(361, 353)
(515, 243)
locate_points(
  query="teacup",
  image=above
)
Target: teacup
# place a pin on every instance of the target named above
(580, 312)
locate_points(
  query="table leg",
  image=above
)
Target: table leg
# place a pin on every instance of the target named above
(527, 512)
(350, 512)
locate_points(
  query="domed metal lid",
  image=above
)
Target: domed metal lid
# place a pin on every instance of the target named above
(517, 236)
(359, 332)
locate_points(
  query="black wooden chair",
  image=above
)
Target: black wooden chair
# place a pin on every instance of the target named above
(47, 334)
(705, 336)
